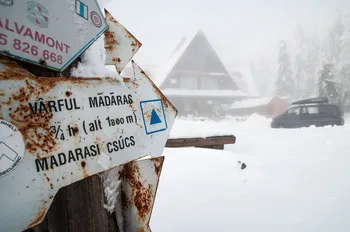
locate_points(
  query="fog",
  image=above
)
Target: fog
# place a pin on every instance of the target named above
(239, 31)
(246, 35)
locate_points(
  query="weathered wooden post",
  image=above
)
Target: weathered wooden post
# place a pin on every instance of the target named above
(78, 137)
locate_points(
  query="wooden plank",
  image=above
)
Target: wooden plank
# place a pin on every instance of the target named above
(217, 147)
(215, 142)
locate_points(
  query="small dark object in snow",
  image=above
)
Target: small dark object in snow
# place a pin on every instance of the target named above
(243, 166)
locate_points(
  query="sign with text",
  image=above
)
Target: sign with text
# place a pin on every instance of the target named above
(56, 131)
(49, 33)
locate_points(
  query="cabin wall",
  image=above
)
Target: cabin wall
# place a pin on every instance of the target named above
(200, 106)
(201, 81)
(278, 106)
(274, 108)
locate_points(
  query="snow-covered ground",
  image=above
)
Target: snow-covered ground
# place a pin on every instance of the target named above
(295, 180)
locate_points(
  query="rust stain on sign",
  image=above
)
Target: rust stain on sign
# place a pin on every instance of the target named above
(139, 186)
(126, 79)
(68, 93)
(40, 215)
(158, 164)
(21, 115)
(35, 138)
(83, 166)
(135, 84)
(111, 43)
(12, 69)
(140, 229)
(120, 44)
(141, 195)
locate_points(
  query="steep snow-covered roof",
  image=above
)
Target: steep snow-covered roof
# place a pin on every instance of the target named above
(174, 57)
(178, 59)
(203, 93)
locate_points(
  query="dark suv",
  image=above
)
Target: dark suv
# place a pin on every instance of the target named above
(313, 111)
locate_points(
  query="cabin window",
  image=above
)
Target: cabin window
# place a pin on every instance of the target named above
(209, 83)
(188, 82)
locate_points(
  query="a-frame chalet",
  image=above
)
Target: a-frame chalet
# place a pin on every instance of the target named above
(195, 79)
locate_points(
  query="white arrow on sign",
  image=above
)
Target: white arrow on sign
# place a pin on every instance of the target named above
(49, 33)
(120, 44)
(67, 124)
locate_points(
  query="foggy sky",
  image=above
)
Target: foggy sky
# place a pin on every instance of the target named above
(239, 30)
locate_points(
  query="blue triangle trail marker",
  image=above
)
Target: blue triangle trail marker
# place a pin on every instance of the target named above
(155, 118)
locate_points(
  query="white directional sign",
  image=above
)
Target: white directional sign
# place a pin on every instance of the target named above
(120, 44)
(49, 33)
(56, 131)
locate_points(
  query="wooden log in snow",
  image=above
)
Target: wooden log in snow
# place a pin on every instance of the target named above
(213, 142)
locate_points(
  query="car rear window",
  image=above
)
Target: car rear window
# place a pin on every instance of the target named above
(320, 109)
(328, 109)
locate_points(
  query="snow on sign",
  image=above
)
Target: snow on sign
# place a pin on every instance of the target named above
(72, 128)
(49, 33)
